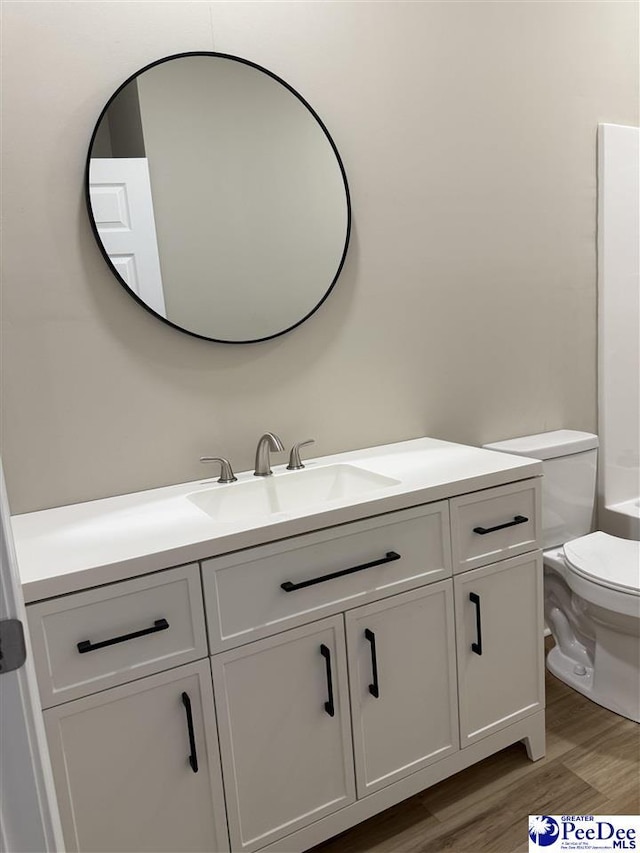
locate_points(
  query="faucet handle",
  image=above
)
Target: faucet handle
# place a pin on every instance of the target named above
(294, 458)
(226, 472)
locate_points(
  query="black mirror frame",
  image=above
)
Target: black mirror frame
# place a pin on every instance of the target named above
(323, 128)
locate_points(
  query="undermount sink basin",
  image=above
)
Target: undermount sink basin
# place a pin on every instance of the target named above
(287, 492)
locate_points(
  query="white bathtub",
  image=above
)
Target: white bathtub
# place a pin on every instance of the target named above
(622, 519)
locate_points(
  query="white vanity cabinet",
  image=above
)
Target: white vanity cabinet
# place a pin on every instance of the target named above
(402, 684)
(313, 672)
(260, 591)
(285, 732)
(92, 640)
(325, 721)
(136, 767)
(287, 706)
(500, 622)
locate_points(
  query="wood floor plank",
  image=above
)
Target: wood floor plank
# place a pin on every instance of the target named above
(499, 823)
(573, 720)
(623, 806)
(554, 789)
(610, 762)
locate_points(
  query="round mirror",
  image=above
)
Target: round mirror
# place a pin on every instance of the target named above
(218, 197)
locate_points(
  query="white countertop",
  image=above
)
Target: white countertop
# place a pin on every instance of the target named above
(70, 548)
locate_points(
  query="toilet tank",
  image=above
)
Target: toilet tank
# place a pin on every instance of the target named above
(569, 461)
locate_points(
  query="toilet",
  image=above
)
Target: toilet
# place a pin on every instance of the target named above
(591, 579)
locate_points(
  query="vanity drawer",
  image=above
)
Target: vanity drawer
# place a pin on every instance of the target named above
(92, 640)
(264, 590)
(495, 524)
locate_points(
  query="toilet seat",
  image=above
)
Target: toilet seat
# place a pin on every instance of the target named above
(606, 560)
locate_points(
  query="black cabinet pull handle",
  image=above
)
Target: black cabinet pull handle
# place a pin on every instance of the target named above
(328, 705)
(193, 756)
(374, 687)
(477, 646)
(88, 646)
(390, 556)
(517, 519)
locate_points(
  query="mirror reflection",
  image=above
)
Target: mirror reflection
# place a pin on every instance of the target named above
(218, 197)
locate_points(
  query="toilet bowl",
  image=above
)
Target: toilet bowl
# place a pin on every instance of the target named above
(591, 580)
(592, 606)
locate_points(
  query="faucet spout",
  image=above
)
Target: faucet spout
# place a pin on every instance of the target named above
(268, 442)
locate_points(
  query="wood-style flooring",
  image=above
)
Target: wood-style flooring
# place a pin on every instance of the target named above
(592, 766)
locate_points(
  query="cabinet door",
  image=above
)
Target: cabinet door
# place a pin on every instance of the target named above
(285, 736)
(136, 768)
(403, 684)
(500, 625)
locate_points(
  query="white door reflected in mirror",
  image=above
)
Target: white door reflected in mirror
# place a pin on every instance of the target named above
(122, 205)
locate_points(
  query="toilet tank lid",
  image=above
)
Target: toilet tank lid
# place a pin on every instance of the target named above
(547, 445)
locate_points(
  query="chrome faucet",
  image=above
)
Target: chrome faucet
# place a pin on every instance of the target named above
(294, 457)
(226, 472)
(268, 441)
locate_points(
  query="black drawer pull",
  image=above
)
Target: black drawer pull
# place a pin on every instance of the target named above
(193, 756)
(517, 519)
(88, 646)
(374, 687)
(390, 556)
(328, 705)
(477, 646)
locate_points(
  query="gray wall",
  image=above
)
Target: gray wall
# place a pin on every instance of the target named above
(120, 131)
(466, 309)
(125, 126)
